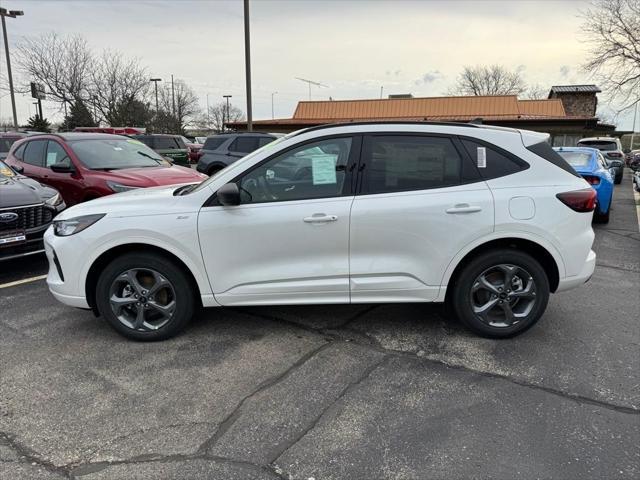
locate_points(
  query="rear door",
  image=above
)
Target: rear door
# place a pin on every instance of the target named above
(420, 201)
(33, 160)
(244, 145)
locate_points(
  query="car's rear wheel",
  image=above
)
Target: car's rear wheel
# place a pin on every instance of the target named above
(618, 179)
(500, 293)
(145, 296)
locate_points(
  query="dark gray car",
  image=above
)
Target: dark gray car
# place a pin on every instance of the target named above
(221, 150)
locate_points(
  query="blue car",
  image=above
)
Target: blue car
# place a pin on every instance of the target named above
(590, 163)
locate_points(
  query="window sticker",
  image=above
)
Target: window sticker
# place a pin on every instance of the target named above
(324, 169)
(482, 157)
(52, 158)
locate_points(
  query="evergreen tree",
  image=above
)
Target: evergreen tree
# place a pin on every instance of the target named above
(79, 116)
(38, 124)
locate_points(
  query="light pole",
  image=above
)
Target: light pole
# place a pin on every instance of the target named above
(247, 64)
(272, 114)
(228, 115)
(12, 14)
(155, 81)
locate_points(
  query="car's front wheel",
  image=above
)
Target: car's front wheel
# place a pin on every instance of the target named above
(145, 296)
(500, 293)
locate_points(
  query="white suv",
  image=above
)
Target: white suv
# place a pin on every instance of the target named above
(489, 220)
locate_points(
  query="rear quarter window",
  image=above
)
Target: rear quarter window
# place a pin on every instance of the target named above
(497, 162)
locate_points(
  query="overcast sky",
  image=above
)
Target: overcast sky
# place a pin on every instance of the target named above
(353, 47)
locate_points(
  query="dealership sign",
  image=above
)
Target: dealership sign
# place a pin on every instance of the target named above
(37, 91)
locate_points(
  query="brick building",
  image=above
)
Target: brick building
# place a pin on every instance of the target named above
(568, 114)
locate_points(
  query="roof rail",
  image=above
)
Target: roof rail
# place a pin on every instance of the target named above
(385, 122)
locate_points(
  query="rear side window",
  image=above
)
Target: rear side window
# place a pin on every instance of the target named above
(397, 163)
(213, 143)
(493, 162)
(166, 143)
(544, 150)
(244, 144)
(34, 153)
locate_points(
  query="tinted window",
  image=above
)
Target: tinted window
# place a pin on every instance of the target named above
(599, 144)
(244, 144)
(165, 143)
(213, 143)
(19, 151)
(56, 154)
(146, 140)
(34, 152)
(265, 140)
(497, 163)
(5, 143)
(400, 163)
(315, 170)
(113, 154)
(544, 150)
(576, 159)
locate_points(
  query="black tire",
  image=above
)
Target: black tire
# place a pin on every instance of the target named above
(618, 179)
(601, 217)
(179, 290)
(463, 296)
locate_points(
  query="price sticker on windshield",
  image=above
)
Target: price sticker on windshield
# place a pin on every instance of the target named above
(482, 157)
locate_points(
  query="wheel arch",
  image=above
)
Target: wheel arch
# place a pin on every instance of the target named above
(546, 255)
(107, 256)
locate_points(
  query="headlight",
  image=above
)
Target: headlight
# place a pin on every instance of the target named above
(71, 226)
(118, 187)
(54, 201)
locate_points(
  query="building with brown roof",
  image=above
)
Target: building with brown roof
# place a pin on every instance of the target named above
(561, 115)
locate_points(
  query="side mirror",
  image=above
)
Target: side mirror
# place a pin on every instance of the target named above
(229, 194)
(18, 169)
(62, 168)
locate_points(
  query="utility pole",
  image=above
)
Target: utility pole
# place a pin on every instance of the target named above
(247, 62)
(208, 119)
(272, 115)
(155, 81)
(228, 113)
(311, 82)
(633, 133)
(12, 14)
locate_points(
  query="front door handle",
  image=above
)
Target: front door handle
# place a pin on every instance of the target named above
(320, 218)
(463, 208)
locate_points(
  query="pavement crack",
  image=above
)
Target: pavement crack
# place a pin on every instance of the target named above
(616, 267)
(226, 424)
(351, 386)
(27, 455)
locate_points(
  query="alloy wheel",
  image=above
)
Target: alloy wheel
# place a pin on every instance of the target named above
(142, 299)
(503, 295)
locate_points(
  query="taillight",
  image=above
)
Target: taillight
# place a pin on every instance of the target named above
(579, 200)
(592, 180)
(614, 154)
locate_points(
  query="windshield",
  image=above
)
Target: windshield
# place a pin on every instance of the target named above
(576, 159)
(5, 170)
(115, 154)
(5, 144)
(599, 144)
(268, 146)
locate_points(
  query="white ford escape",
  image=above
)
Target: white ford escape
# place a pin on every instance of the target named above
(490, 220)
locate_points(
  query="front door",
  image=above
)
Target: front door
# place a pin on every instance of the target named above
(421, 200)
(288, 240)
(70, 185)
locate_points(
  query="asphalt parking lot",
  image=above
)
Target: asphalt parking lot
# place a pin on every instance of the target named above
(385, 391)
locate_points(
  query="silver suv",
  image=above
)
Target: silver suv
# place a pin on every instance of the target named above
(221, 150)
(611, 149)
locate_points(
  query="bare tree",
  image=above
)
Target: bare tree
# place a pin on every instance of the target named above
(488, 80)
(117, 85)
(218, 116)
(62, 64)
(180, 106)
(612, 29)
(536, 92)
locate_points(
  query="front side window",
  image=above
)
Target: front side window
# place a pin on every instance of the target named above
(34, 153)
(315, 170)
(244, 144)
(165, 143)
(396, 163)
(56, 155)
(115, 153)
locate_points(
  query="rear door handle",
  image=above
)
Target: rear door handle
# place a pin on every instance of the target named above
(463, 208)
(320, 218)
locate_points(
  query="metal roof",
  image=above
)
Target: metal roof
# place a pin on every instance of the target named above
(575, 89)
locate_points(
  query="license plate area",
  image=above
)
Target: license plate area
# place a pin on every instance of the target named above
(12, 237)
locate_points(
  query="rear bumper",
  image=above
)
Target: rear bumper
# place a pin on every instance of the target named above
(567, 283)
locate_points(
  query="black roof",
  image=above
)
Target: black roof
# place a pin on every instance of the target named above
(575, 89)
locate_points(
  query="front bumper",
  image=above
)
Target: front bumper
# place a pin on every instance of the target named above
(62, 284)
(567, 283)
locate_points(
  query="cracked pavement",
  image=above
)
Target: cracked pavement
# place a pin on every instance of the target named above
(329, 392)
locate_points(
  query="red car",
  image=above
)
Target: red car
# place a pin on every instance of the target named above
(194, 149)
(83, 166)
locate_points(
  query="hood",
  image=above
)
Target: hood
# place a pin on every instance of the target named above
(140, 202)
(20, 190)
(155, 176)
